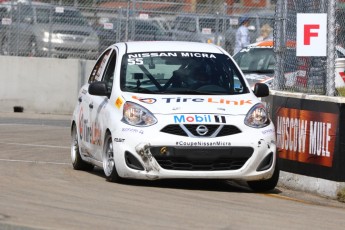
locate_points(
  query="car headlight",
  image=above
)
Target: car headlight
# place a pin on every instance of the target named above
(137, 115)
(257, 117)
(55, 38)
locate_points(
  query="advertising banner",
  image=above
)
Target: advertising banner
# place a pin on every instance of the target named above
(306, 136)
(309, 136)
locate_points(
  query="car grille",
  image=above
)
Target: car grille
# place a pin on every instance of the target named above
(72, 39)
(69, 33)
(201, 158)
(190, 130)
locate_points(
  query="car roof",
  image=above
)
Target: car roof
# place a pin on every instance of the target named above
(262, 44)
(269, 44)
(171, 46)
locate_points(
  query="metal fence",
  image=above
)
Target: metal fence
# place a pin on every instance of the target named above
(309, 74)
(84, 28)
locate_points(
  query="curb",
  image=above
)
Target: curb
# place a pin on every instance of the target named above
(314, 185)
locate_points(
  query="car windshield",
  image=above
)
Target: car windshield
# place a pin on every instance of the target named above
(180, 73)
(256, 60)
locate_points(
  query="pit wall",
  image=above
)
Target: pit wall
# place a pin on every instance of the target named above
(41, 85)
(310, 132)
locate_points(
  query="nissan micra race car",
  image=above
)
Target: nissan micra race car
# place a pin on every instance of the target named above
(161, 110)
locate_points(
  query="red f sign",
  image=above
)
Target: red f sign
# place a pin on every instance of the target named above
(308, 33)
(311, 35)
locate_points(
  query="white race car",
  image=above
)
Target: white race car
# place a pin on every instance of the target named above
(160, 110)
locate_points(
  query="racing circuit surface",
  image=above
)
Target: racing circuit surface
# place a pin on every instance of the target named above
(40, 190)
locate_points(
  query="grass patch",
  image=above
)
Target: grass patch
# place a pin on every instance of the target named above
(341, 91)
(341, 195)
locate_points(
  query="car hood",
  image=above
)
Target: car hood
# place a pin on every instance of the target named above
(254, 78)
(177, 104)
(70, 29)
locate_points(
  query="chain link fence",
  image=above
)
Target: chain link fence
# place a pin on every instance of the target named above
(315, 74)
(84, 28)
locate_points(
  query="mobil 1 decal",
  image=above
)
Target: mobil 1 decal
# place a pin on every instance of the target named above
(306, 136)
(199, 118)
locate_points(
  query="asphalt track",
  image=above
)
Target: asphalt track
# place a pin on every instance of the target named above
(40, 190)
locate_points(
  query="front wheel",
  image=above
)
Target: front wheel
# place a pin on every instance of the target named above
(33, 48)
(266, 185)
(77, 162)
(109, 161)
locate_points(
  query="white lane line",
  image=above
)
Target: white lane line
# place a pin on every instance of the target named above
(37, 162)
(41, 124)
(33, 145)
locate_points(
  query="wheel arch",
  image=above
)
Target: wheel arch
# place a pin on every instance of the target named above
(73, 123)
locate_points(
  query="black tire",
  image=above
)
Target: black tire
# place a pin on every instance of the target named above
(5, 46)
(77, 162)
(266, 185)
(109, 167)
(33, 48)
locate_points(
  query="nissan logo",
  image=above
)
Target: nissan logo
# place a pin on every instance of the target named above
(202, 130)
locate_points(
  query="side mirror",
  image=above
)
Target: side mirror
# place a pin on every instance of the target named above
(99, 88)
(261, 90)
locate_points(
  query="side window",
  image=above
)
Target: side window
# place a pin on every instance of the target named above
(3, 12)
(96, 73)
(188, 24)
(24, 14)
(108, 76)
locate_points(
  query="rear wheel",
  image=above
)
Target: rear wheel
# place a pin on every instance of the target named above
(265, 185)
(5, 46)
(109, 161)
(77, 162)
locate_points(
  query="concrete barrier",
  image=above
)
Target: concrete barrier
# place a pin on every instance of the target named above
(41, 85)
(310, 138)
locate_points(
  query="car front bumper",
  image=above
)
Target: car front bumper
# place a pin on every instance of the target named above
(165, 156)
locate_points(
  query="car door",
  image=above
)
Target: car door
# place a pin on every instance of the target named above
(87, 129)
(97, 107)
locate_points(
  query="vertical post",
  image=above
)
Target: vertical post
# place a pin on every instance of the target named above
(50, 31)
(10, 37)
(331, 40)
(134, 5)
(279, 44)
(119, 35)
(217, 40)
(127, 20)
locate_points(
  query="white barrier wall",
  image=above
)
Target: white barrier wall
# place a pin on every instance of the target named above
(41, 85)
